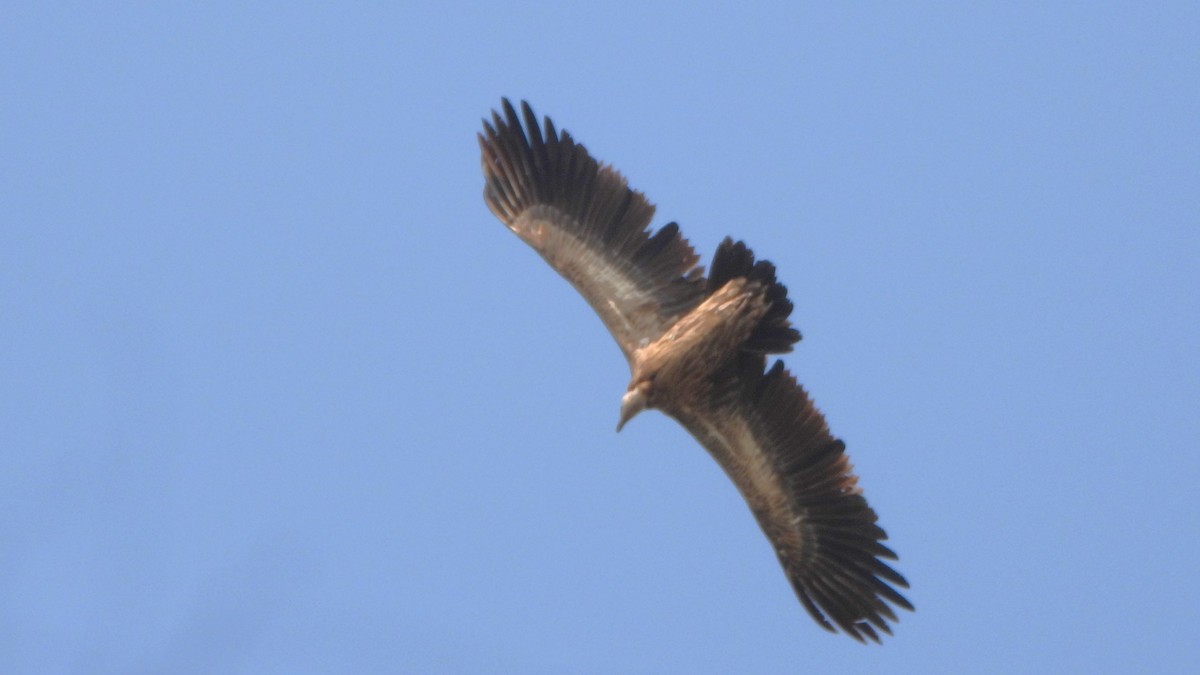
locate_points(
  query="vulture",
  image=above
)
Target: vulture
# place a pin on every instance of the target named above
(697, 348)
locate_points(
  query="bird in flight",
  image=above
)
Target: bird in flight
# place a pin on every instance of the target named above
(697, 349)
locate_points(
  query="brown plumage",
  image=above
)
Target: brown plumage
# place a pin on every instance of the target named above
(697, 348)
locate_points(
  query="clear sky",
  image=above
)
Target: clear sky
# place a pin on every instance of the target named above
(278, 393)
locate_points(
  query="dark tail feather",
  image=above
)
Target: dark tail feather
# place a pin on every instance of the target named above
(774, 334)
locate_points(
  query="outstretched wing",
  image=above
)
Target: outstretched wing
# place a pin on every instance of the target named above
(775, 445)
(584, 220)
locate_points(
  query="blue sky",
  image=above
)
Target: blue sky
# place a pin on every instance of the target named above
(278, 394)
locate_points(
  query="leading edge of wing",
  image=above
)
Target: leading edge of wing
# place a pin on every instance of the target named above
(586, 222)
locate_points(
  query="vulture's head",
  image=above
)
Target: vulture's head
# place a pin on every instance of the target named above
(635, 400)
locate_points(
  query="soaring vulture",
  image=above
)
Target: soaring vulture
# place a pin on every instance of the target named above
(697, 348)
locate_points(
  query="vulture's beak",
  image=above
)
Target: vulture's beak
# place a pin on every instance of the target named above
(632, 403)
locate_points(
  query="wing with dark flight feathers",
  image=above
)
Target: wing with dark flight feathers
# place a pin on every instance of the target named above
(584, 220)
(797, 479)
(775, 445)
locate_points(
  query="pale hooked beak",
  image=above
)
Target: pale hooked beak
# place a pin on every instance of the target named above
(632, 403)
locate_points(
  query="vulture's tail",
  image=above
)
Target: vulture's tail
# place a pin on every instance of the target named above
(774, 334)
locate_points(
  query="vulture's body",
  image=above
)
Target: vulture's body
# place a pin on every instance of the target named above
(697, 349)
